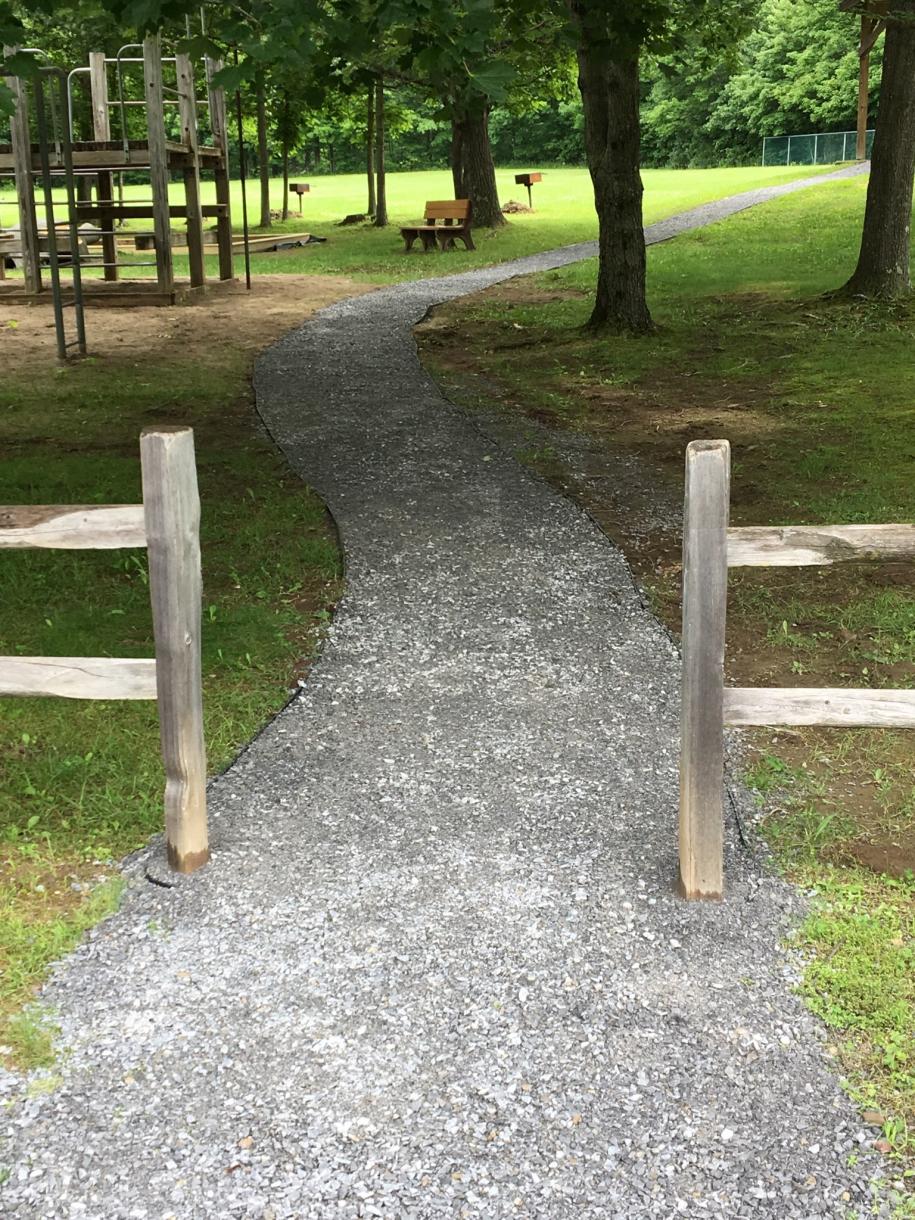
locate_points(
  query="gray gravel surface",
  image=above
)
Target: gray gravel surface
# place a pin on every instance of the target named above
(436, 968)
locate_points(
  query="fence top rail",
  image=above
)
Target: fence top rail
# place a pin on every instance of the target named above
(81, 527)
(810, 135)
(794, 546)
(836, 707)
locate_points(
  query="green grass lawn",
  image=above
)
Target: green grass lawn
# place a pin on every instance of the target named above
(818, 398)
(564, 214)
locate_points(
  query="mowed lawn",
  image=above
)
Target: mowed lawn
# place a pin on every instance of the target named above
(563, 203)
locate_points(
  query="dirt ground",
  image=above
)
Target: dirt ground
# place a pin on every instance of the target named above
(224, 314)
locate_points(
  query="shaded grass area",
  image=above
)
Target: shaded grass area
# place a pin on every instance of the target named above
(564, 214)
(818, 399)
(81, 782)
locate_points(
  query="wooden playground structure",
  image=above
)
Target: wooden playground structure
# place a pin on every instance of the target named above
(43, 149)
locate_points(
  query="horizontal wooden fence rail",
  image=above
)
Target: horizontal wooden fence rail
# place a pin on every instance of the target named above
(167, 523)
(75, 527)
(78, 677)
(797, 546)
(710, 547)
(840, 708)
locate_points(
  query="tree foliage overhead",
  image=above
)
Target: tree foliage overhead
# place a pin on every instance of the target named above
(794, 70)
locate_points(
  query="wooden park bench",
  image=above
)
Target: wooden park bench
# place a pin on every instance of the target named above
(455, 217)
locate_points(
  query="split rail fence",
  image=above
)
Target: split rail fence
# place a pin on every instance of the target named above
(710, 547)
(167, 524)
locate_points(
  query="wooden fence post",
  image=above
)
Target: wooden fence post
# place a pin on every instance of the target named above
(705, 575)
(172, 515)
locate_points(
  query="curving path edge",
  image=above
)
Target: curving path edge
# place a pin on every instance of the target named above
(437, 969)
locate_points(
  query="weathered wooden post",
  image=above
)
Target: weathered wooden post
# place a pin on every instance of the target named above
(172, 517)
(705, 575)
(101, 131)
(218, 125)
(158, 162)
(25, 181)
(187, 108)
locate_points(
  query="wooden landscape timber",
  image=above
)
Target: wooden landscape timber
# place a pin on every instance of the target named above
(709, 549)
(167, 523)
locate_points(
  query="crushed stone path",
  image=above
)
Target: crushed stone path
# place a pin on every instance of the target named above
(436, 968)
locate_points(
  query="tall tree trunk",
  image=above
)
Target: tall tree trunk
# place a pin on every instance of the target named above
(370, 146)
(883, 261)
(263, 158)
(285, 156)
(285, 178)
(610, 98)
(381, 202)
(457, 161)
(478, 174)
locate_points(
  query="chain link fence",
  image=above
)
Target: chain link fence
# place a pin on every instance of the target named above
(817, 148)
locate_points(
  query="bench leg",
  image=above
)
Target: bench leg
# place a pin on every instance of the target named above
(409, 239)
(467, 240)
(428, 242)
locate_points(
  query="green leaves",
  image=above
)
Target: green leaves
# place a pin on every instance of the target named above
(493, 79)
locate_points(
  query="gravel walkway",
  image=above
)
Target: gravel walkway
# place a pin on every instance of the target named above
(436, 968)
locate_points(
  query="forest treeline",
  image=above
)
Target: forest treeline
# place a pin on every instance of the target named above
(795, 72)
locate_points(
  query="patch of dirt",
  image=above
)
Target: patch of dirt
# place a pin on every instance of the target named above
(225, 314)
(618, 452)
(893, 855)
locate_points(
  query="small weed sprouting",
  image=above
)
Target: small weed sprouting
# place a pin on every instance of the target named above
(30, 1034)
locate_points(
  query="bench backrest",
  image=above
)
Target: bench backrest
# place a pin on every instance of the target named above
(449, 210)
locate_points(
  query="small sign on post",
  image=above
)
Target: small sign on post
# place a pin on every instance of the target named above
(528, 180)
(300, 189)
